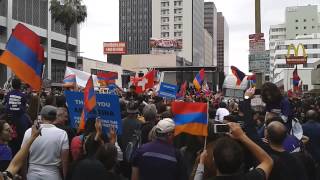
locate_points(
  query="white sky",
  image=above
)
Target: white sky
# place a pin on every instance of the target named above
(102, 25)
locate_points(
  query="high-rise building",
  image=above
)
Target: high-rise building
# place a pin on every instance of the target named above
(208, 45)
(181, 20)
(35, 15)
(223, 44)
(210, 24)
(135, 25)
(299, 22)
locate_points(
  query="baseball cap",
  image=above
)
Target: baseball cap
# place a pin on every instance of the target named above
(49, 112)
(166, 125)
(133, 107)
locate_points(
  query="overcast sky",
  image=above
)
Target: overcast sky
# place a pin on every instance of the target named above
(102, 25)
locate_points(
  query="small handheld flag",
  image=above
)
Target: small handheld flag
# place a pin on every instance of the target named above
(198, 80)
(183, 90)
(191, 118)
(25, 56)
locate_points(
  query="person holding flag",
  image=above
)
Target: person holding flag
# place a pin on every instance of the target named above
(295, 80)
(198, 80)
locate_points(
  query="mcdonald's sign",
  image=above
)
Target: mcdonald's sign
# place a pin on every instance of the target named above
(296, 58)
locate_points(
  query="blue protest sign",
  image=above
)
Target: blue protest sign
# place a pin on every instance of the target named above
(168, 91)
(107, 109)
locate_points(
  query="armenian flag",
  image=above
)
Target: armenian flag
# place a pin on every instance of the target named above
(239, 74)
(107, 78)
(295, 79)
(69, 80)
(252, 80)
(191, 118)
(198, 80)
(25, 56)
(89, 102)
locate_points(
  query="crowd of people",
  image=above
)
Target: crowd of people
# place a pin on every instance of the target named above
(281, 142)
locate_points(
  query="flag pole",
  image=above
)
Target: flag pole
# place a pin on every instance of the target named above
(205, 140)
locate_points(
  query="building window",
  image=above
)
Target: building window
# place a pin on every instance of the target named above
(177, 26)
(297, 27)
(164, 4)
(177, 11)
(313, 27)
(297, 20)
(305, 27)
(177, 18)
(164, 19)
(164, 34)
(165, 12)
(177, 3)
(177, 34)
(304, 20)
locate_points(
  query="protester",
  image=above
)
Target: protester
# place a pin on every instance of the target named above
(311, 129)
(222, 111)
(159, 159)
(107, 155)
(276, 103)
(228, 157)
(5, 150)
(16, 105)
(19, 159)
(285, 165)
(50, 151)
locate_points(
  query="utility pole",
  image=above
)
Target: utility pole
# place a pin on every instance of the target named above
(258, 16)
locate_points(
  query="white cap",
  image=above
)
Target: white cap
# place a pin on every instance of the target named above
(166, 125)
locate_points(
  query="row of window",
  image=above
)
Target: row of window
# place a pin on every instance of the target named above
(166, 27)
(305, 27)
(309, 56)
(304, 20)
(307, 46)
(167, 19)
(176, 34)
(278, 30)
(167, 3)
(166, 11)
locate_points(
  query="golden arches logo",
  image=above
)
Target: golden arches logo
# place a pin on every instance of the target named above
(296, 58)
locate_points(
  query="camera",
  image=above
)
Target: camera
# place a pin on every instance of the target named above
(221, 128)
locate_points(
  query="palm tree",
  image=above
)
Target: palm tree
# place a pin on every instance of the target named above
(68, 13)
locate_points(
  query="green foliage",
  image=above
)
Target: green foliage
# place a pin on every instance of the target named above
(69, 12)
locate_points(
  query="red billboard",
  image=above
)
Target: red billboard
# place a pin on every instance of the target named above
(114, 48)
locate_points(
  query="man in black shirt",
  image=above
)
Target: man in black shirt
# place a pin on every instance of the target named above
(285, 165)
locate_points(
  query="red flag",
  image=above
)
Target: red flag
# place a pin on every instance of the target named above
(183, 90)
(145, 82)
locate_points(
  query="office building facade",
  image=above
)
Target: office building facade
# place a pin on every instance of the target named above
(223, 44)
(210, 24)
(181, 20)
(135, 25)
(35, 15)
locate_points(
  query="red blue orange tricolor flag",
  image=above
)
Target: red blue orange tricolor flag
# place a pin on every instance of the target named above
(25, 56)
(191, 118)
(238, 74)
(105, 79)
(198, 80)
(89, 102)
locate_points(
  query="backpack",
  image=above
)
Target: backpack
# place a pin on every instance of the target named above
(132, 146)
